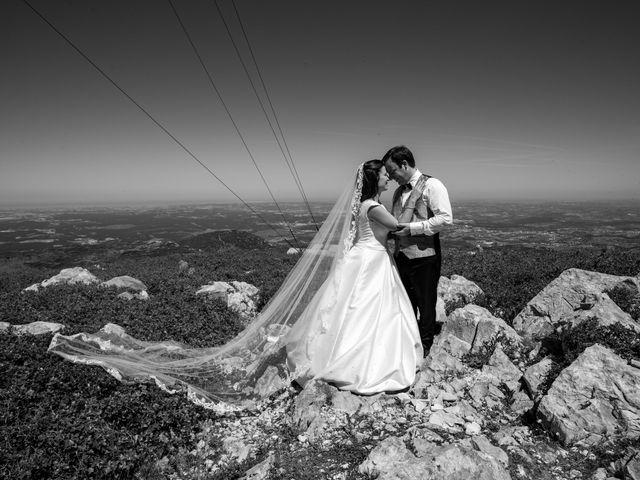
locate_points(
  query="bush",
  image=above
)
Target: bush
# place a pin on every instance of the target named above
(61, 420)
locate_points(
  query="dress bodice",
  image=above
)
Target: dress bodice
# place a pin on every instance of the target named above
(370, 234)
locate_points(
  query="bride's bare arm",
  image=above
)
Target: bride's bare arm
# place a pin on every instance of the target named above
(380, 215)
(407, 210)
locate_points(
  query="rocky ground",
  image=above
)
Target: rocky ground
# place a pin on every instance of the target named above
(489, 402)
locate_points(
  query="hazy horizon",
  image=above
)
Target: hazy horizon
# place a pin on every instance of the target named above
(623, 202)
(501, 101)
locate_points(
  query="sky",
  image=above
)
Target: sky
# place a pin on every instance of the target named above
(526, 100)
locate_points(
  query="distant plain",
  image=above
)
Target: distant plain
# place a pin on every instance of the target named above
(478, 225)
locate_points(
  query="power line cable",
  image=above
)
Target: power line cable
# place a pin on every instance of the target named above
(275, 116)
(289, 161)
(162, 127)
(213, 85)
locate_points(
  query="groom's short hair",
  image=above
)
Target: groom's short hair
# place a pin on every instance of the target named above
(399, 154)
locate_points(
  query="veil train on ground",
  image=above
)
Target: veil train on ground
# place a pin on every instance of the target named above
(230, 374)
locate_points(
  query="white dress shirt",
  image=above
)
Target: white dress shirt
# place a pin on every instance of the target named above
(436, 197)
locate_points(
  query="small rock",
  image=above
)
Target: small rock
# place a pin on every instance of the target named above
(472, 429)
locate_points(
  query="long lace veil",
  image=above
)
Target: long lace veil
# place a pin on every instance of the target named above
(241, 369)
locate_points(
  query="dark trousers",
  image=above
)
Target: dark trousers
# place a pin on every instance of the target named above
(420, 278)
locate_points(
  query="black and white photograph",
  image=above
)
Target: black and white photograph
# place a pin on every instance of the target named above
(291, 240)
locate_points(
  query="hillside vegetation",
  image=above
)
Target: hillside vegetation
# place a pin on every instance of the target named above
(67, 421)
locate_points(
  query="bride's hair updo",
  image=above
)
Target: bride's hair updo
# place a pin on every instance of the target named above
(370, 176)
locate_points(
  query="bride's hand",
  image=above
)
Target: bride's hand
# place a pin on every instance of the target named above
(402, 230)
(416, 193)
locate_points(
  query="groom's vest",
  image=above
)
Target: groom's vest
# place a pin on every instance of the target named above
(415, 246)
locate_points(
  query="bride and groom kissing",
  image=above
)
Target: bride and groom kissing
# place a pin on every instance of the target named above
(350, 312)
(370, 323)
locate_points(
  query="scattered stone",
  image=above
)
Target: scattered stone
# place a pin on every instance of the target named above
(294, 251)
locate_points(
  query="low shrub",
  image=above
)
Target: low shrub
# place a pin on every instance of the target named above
(62, 420)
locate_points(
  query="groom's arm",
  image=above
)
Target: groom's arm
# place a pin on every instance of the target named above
(438, 199)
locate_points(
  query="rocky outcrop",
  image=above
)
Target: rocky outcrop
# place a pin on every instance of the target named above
(71, 276)
(241, 297)
(560, 299)
(597, 396)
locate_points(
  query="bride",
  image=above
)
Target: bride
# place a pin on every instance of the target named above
(341, 315)
(359, 332)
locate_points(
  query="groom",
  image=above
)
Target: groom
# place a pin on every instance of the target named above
(417, 251)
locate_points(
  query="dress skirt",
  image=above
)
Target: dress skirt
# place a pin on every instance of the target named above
(359, 332)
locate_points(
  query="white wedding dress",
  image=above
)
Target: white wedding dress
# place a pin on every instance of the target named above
(359, 332)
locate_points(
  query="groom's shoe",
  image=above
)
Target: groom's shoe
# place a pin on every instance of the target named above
(426, 346)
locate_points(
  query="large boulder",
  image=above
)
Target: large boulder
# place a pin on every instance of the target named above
(66, 276)
(600, 307)
(476, 327)
(392, 460)
(561, 298)
(457, 291)
(241, 297)
(596, 396)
